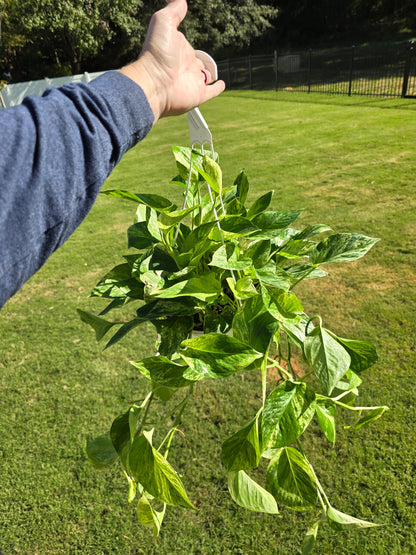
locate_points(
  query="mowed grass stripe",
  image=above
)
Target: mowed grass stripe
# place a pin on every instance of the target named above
(350, 163)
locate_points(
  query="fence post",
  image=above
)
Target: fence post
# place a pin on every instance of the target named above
(410, 48)
(351, 70)
(276, 70)
(309, 69)
(228, 74)
(250, 74)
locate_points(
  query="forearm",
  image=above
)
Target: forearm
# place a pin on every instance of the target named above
(55, 154)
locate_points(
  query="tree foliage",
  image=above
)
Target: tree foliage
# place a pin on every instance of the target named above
(78, 29)
(54, 37)
(217, 25)
(78, 35)
(307, 23)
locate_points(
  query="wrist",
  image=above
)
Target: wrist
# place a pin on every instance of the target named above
(145, 74)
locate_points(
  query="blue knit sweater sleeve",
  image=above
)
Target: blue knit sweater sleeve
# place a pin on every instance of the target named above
(55, 153)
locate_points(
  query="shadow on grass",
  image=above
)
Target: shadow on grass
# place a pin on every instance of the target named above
(325, 98)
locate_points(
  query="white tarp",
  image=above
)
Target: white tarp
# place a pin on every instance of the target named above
(15, 93)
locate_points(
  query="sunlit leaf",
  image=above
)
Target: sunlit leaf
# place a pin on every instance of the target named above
(241, 451)
(291, 480)
(363, 354)
(260, 205)
(339, 520)
(327, 357)
(147, 516)
(205, 288)
(165, 372)
(156, 475)
(269, 223)
(342, 247)
(370, 416)
(212, 173)
(243, 288)
(166, 221)
(287, 413)
(216, 355)
(325, 413)
(228, 257)
(273, 276)
(248, 494)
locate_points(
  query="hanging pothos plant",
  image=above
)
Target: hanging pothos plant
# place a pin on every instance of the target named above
(227, 269)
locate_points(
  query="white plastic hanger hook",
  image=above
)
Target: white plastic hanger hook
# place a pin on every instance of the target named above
(209, 64)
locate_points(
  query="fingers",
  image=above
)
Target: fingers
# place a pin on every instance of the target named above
(177, 10)
(207, 76)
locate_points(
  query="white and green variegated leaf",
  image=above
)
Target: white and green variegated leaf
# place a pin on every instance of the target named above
(241, 451)
(243, 288)
(291, 480)
(248, 494)
(287, 413)
(254, 324)
(270, 223)
(273, 276)
(148, 516)
(260, 205)
(122, 432)
(167, 221)
(165, 372)
(205, 288)
(211, 172)
(183, 162)
(156, 475)
(338, 520)
(342, 247)
(215, 355)
(259, 252)
(325, 412)
(363, 354)
(228, 257)
(370, 416)
(328, 358)
(237, 226)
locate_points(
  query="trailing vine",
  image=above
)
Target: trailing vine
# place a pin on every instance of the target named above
(227, 270)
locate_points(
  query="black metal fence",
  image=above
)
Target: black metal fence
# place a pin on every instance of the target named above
(386, 70)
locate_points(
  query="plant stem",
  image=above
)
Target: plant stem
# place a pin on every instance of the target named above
(171, 433)
(357, 408)
(280, 368)
(146, 403)
(264, 378)
(303, 277)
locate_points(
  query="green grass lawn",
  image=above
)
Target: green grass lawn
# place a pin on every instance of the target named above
(351, 163)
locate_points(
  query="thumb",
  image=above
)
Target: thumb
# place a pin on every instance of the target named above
(213, 90)
(177, 10)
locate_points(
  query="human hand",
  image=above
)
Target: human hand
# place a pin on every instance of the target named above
(168, 69)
